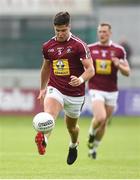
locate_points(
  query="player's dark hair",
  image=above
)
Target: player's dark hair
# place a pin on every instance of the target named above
(105, 24)
(62, 18)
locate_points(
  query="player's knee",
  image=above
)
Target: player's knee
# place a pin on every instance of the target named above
(101, 119)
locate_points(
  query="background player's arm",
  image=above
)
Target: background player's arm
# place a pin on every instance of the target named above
(88, 73)
(45, 74)
(122, 65)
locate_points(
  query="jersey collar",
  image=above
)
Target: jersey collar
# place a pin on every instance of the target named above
(109, 44)
(70, 34)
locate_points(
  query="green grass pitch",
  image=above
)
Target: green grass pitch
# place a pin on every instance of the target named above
(118, 155)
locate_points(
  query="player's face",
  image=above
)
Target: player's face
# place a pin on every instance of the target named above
(104, 34)
(62, 32)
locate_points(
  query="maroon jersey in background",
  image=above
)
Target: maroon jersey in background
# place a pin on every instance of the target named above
(65, 58)
(105, 78)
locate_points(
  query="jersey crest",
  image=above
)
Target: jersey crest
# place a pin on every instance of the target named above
(61, 67)
(103, 66)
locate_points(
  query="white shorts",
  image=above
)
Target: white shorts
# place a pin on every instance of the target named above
(109, 98)
(72, 105)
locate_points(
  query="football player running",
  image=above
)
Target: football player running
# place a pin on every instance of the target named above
(66, 66)
(108, 58)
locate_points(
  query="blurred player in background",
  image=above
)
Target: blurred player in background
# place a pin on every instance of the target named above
(67, 65)
(124, 43)
(108, 59)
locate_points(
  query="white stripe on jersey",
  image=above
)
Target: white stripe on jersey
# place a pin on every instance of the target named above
(93, 44)
(110, 44)
(122, 48)
(81, 42)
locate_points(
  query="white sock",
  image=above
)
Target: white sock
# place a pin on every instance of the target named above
(92, 131)
(73, 145)
(95, 145)
(46, 139)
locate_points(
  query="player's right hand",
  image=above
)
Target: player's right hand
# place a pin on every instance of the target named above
(75, 81)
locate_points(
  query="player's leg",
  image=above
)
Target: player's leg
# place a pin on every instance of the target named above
(102, 112)
(52, 105)
(97, 127)
(109, 112)
(97, 101)
(73, 130)
(111, 104)
(72, 108)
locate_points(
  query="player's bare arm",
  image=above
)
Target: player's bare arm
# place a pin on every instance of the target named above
(45, 73)
(88, 73)
(122, 65)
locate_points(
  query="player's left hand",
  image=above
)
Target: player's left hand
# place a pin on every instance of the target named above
(75, 81)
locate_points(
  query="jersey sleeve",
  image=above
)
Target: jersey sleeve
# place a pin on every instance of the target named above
(84, 51)
(123, 54)
(44, 51)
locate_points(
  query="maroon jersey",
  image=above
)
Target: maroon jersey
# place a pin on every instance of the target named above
(105, 78)
(65, 59)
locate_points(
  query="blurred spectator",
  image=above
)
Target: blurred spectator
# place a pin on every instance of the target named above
(128, 49)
